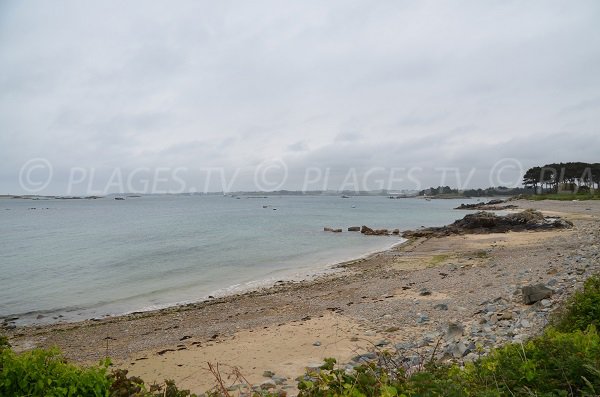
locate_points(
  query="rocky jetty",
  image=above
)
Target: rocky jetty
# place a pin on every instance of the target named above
(486, 222)
(492, 205)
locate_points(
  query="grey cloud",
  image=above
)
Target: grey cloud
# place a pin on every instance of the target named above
(340, 84)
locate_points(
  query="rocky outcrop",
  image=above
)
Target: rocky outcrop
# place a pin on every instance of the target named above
(486, 222)
(490, 205)
(370, 232)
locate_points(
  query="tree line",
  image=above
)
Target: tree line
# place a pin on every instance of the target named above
(575, 177)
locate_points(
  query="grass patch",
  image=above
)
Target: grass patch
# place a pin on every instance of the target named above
(563, 196)
(481, 254)
(437, 259)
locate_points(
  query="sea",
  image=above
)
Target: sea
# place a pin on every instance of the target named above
(70, 260)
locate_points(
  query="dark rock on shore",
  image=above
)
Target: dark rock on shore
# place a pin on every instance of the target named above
(490, 205)
(330, 229)
(485, 222)
(370, 232)
(354, 229)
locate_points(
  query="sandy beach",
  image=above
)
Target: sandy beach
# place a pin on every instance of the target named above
(390, 298)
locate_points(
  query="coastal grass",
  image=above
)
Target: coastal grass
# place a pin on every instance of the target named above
(563, 196)
(438, 259)
(563, 361)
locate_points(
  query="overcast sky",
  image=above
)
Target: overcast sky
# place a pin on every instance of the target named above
(94, 87)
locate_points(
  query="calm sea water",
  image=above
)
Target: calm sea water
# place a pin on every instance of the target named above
(81, 259)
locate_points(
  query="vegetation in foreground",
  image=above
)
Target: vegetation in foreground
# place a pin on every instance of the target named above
(563, 361)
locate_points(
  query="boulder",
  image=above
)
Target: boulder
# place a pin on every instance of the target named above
(455, 330)
(354, 229)
(536, 292)
(377, 232)
(330, 229)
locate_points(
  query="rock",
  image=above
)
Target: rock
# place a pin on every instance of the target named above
(382, 343)
(404, 346)
(354, 229)
(366, 357)
(482, 205)
(535, 293)
(396, 231)
(366, 230)
(487, 222)
(424, 292)
(413, 360)
(525, 323)
(455, 330)
(422, 318)
(279, 380)
(505, 315)
(313, 367)
(327, 229)
(268, 384)
(370, 232)
(317, 343)
(546, 302)
(441, 306)
(458, 349)
(268, 374)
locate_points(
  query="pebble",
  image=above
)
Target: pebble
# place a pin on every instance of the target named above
(268, 374)
(422, 318)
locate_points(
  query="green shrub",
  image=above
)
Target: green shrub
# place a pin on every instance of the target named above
(46, 373)
(582, 309)
(553, 364)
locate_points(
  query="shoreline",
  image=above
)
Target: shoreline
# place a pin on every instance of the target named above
(383, 298)
(307, 274)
